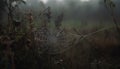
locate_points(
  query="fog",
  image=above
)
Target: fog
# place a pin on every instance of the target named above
(74, 10)
(92, 10)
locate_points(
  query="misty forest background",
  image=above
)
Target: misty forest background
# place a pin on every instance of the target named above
(68, 34)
